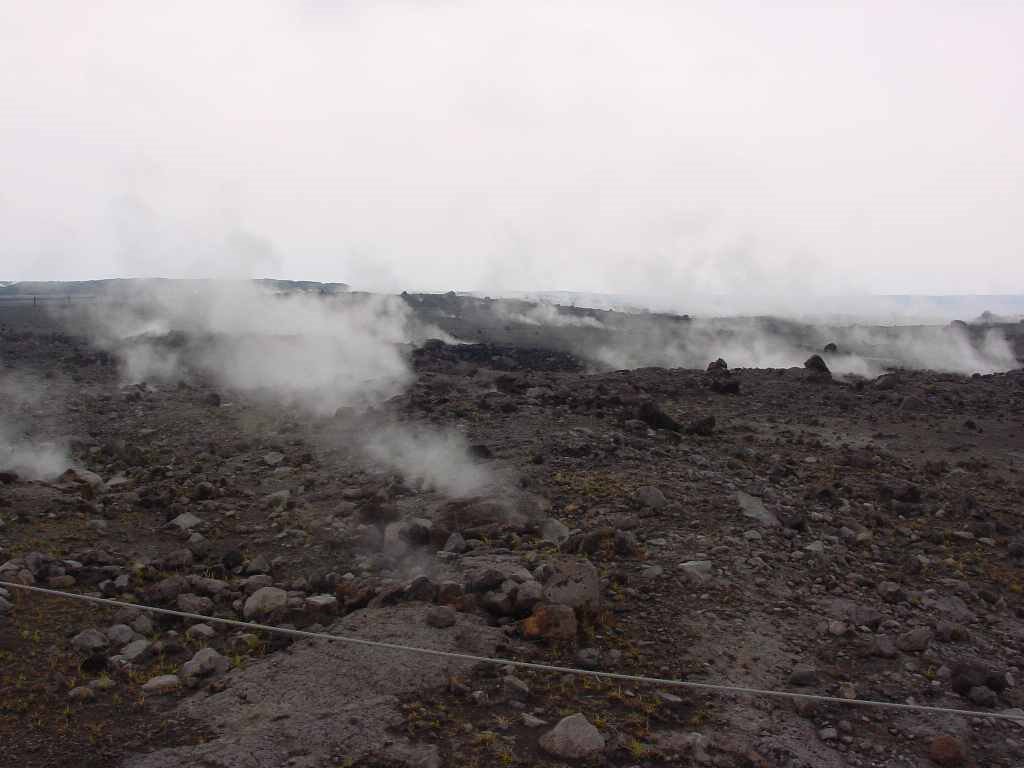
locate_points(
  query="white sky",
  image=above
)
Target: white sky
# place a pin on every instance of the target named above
(630, 147)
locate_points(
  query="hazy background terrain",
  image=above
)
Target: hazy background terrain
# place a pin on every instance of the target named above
(774, 158)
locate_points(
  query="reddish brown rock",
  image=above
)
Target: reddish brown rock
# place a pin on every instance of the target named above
(947, 751)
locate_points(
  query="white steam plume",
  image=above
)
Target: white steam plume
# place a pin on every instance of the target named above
(21, 450)
(749, 343)
(434, 460)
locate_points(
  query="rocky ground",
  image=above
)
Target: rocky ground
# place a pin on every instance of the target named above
(775, 529)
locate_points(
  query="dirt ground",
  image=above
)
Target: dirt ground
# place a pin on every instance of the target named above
(764, 528)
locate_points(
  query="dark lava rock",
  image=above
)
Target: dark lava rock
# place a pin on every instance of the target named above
(967, 675)
(704, 426)
(653, 416)
(816, 364)
(726, 386)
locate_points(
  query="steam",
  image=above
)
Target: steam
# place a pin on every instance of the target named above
(433, 460)
(31, 460)
(753, 343)
(546, 314)
(306, 351)
(319, 353)
(21, 449)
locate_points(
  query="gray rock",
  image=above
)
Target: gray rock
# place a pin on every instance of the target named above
(265, 602)
(89, 641)
(162, 684)
(136, 650)
(891, 592)
(81, 693)
(651, 497)
(914, 641)
(697, 571)
(195, 604)
(441, 617)
(204, 663)
(754, 508)
(200, 632)
(528, 595)
(186, 521)
(588, 658)
(120, 634)
(574, 738)
(983, 696)
(884, 647)
(199, 545)
(803, 675)
(456, 544)
(273, 458)
(142, 625)
(515, 688)
(258, 565)
(257, 582)
(574, 583)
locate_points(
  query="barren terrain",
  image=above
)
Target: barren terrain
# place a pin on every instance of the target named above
(527, 491)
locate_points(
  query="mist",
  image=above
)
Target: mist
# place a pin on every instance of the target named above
(760, 343)
(430, 459)
(24, 447)
(774, 158)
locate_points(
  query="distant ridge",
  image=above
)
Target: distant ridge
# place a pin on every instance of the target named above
(120, 285)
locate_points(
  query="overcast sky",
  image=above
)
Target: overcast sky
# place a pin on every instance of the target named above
(634, 147)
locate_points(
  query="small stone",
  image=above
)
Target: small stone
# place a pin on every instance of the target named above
(185, 522)
(515, 688)
(456, 544)
(554, 622)
(441, 617)
(884, 647)
(528, 595)
(914, 641)
(205, 662)
(162, 684)
(574, 583)
(120, 634)
(649, 496)
(947, 751)
(697, 571)
(983, 696)
(588, 658)
(265, 602)
(574, 738)
(803, 676)
(531, 721)
(136, 650)
(891, 592)
(202, 632)
(828, 734)
(89, 641)
(81, 693)
(273, 458)
(190, 603)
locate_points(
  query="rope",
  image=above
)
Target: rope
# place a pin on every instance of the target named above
(1017, 717)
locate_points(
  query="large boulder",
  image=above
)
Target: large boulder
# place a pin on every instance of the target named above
(265, 602)
(574, 738)
(574, 583)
